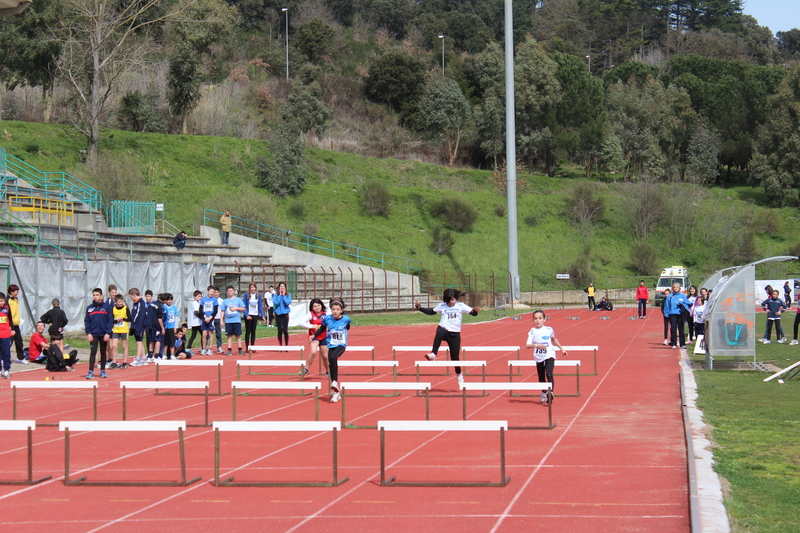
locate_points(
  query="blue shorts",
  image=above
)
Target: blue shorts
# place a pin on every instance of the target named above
(207, 326)
(322, 342)
(233, 328)
(156, 335)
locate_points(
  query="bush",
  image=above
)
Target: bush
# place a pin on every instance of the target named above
(31, 148)
(284, 173)
(117, 177)
(138, 112)
(455, 213)
(584, 208)
(253, 206)
(376, 198)
(768, 221)
(579, 274)
(531, 220)
(297, 209)
(644, 258)
(500, 210)
(443, 240)
(309, 228)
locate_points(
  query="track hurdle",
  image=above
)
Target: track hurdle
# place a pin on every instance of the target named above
(53, 385)
(423, 349)
(276, 363)
(282, 349)
(558, 363)
(354, 349)
(540, 387)
(786, 371)
(443, 425)
(194, 362)
(376, 385)
(125, 385)
(502, 349)
(584, 349)
(334, 427)
(387, 364)
(464, 364)
(133, 426)
(29, 426)
(237, 386)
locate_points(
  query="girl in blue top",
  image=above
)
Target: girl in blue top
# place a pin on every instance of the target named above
(336, 324)
(281, 302)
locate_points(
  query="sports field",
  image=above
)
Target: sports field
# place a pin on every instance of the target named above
(616, 460)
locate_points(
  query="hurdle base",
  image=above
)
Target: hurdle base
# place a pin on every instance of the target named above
(229, 482)
(390, 482)
(26, 482)
(81, 481)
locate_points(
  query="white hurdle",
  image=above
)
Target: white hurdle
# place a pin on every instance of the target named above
(276, 349)
(28, 426)
(276, 363)
(489, 349)
(377, 385)
(357, 349)
(183, 385)
(349, 363)
(301, 386)
(584, 349)
(443, 425)
(508, 387)
(558, 363)
(194, 362)
(315, 427)
(53, 385)
(131, 426)
(451, 364)
(423, 349)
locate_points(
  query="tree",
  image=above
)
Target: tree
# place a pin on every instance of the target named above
(183, 83)
(306, 110)
(315, 39)
(444, 113)
(490, 113)
(283, 173)
(397, 80)
(393, 15)
(702, 162)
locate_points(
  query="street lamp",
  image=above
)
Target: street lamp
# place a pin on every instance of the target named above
(589, 60)
(286, 10)
(442, 38)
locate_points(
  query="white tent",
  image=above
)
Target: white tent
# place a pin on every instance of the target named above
(13, 7)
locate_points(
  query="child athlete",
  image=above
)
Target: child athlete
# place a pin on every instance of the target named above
(542, 338)
(449, 329)
(337, 324)
(316, 343)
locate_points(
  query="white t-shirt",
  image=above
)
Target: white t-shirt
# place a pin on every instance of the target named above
(451, 316)
(268, 298)
(543, 335)
(699, 312)
(252, 305)
(193, 320)
(219, 309)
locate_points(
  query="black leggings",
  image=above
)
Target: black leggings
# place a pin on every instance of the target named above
(690, 322)
(666, 327)
(333, 360)
(97, 341)
(282, 321)
(453, 340)
(195, 331)
(250, 325)
(169, 342)
(677, 335)
(778, 329)
(545, 371)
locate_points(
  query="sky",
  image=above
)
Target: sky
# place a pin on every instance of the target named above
(777, 15)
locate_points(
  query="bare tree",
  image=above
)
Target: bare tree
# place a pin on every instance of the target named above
(104, 40)
(644, 206)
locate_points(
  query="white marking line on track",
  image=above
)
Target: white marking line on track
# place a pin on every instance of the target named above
(516, 497)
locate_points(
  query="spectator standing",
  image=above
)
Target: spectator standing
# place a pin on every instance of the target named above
(676, 307)
(282, 301)
(270, 311)
(787, 293)
(98, 323)
(56, 318)
(225, 225)
(16, 334)
(641, 298)
(6, 333)
(590, 292)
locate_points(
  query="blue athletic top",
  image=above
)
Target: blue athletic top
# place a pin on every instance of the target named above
(172, 316)
(232, 317)
(337, 330)
(281, 303)
(209, 306)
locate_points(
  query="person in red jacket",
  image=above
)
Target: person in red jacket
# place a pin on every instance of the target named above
(641, 297)
(6, 336)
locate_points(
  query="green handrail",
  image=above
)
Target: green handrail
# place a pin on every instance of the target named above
(315, 245)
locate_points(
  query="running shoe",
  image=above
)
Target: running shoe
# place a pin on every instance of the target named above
(430, 356)
(543, 398)
(303, 372)
(335, 397)
(335, 386)
(782, 340)
(90, 375)
(666, 342)
(241, 352)
(794, 343)
(103, 374)
(768, 342)
(229, 353)
(460, 379)
(6, 374)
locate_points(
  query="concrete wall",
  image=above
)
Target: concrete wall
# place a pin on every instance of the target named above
(284, 255)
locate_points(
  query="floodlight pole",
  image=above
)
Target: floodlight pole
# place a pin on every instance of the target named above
(286, 10)
(511, 159)
(442, 38)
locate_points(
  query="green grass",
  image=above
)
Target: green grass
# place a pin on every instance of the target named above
(756, 427)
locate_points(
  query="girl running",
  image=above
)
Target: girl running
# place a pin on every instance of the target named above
(281, 302)
(542, 339)
(336, 324)
(449, 329)
(317, 343)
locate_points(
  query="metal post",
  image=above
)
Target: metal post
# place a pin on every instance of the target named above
(511, 155)
(442, 38)
(286, 11)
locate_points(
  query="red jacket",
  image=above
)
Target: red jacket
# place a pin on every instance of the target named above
(641, 293)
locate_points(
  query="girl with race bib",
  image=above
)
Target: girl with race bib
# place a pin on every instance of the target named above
(316, 343)
(337, 325)
(543, 341)
(449, 329)
(254, 306)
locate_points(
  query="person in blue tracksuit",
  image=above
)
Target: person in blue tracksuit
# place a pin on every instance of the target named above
(99, 322)
(673, 306)
(774, 307)
(281, 301)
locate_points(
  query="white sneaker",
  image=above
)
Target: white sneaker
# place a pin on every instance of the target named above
(782, 340)
(794, 343)
(666, 342)
(430, 356)
(335, 386)
(768, 342)
(21, 361)
(335, 397)
(460, 379)
(543, 398)
(6, 375)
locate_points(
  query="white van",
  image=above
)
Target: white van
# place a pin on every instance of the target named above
(670, 275)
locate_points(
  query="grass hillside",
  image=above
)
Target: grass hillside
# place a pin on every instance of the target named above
(189, 173)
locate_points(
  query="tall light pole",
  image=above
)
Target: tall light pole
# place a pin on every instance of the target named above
(589, 60)
(442, 38)
(286, 10)
(511, 160)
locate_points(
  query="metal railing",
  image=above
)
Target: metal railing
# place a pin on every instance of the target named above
(32, 232)
(316, 245)
(42, 210)
(131, 217)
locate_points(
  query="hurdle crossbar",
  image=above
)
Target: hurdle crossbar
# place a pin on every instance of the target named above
(354, 349)
(377, 385)
(333, 427)
(27, 426)
(183, 385)
(540, 387)
(283, 363)
(380, 364)
(238, 386)
(502, 349)
(424, 349)
(52, 385)
(584, 349)
(562, 363)
(443, 425)
(194, 362)
(280, 349)
(449, 364)
(133, 426)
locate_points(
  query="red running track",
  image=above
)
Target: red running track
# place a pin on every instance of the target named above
(615, 462)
